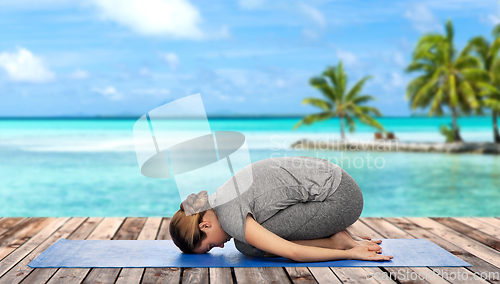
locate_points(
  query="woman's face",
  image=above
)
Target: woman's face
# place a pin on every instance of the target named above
(216, 237)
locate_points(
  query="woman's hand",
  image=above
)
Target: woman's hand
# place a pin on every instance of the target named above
(368, 253)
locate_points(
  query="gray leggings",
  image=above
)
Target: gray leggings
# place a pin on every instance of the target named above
(314, 220)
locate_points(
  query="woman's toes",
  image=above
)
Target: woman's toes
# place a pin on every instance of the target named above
(365, 243)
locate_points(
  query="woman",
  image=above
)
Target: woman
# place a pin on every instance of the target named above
(295, 207)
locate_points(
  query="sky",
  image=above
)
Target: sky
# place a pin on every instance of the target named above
(247, 57)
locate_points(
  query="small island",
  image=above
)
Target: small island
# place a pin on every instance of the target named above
(395, 146)
(463, 82)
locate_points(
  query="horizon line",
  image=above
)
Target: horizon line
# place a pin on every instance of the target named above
(218, 116)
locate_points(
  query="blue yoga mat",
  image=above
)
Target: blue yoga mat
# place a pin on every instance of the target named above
(163, 253)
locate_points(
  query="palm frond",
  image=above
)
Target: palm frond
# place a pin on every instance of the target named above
(493, 50)
(478, 44)
(324, 105)
(363, 99)
(492, 104)
(342, 80)
(468, 94)
(437, 101)
(467, 61)
(357, 88)
(475, 75)
(370, 110)
(321, 84)
(415, 85)
(419, 100)
(487, 89)
(350, 123)
(419, 66)
(366, 119)
(496, 31)
(310, 119)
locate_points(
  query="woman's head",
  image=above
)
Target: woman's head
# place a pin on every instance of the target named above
(195, 228)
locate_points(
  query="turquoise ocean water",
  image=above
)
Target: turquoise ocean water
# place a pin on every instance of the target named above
(88, 167)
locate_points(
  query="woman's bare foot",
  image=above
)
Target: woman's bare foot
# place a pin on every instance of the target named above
(362, 240)
(368, 243)
(342, 240)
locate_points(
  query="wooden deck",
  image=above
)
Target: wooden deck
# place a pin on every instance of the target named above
(475, 240)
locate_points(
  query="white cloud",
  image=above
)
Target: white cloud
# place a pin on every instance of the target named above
(151, 91)
(79, 74)
(110, 93)
(310, 34)
(231, 98)
(314, 14)
(241, 53)
(171, 58)
(144, 71)
(238, 77)
(175, 18)
(36, 4)
(396, 79)
(280, 83)
(493, 19)
(399, 59)
(347, 57)
(423, 19)
(23, 66)
(251, 4)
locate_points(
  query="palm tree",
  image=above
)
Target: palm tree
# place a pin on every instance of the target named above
(488, 54)
(339, 102)
(448, 79)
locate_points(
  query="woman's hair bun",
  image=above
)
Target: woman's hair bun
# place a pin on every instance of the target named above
(195, 203)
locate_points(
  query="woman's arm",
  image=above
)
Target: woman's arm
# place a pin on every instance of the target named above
(263, 239)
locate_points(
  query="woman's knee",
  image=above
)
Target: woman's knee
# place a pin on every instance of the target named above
(352, 195)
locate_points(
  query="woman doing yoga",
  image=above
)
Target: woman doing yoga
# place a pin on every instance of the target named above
(295, 207)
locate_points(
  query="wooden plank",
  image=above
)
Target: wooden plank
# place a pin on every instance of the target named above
(478, 265)
(148, 232)
(470, 232)
(21, 252)
(195, 275)
(481, 226)
(42, 275)
(164, 233)
(105, 230)
(474, 247)
(260, 275)
(162, 274)
(300, 275)
(21, 269)
(324, 275)
(389, 231)
(220, 275)
(23, 232)
(428, 276)
(129, 231)
(9, 223)
(360, 274)
(490, 221)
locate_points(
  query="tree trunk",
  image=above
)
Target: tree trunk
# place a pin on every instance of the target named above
(496, 135)
(342, 132)
(456, 133)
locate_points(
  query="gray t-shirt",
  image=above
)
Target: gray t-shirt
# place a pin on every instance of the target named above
(277, 183)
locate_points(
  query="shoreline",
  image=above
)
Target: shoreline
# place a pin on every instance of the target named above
(397, 146)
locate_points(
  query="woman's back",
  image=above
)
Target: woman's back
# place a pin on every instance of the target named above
(271, 185)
